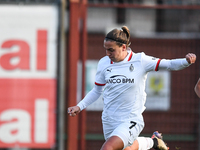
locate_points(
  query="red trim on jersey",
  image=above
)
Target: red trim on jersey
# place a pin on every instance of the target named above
(130, 56)
(111, 61)
(99, 84)
(157, 65)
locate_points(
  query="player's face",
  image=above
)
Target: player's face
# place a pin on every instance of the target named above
(114, 52)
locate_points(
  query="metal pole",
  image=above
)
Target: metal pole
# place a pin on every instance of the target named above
(61, 77)
(73, 57)
(83, 51)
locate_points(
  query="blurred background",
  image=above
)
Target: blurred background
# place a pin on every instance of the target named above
(48, 58)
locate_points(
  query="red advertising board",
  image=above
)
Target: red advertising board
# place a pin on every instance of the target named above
(28, 76)
(27, 112)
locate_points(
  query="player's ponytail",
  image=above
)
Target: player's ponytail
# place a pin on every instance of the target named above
(126, 30)
(119, 36)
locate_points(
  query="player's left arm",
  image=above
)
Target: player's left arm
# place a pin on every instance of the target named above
(197, 88)
(177, 64)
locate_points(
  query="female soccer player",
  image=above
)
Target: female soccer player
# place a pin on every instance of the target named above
(123, 73)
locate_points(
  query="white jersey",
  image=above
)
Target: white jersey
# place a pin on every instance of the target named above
(124, 94)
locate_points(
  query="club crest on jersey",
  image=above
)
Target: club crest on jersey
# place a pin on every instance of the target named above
(131, 68)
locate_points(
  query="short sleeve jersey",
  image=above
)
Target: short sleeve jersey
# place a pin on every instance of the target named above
(124, 93)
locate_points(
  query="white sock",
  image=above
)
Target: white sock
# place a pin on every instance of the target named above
(145, 143)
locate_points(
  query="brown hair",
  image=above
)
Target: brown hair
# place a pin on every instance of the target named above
(119, 36)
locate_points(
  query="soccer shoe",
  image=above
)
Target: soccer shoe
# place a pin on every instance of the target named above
(159, 144)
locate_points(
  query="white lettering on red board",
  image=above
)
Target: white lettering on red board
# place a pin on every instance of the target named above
(16, 124)
(17, 56)
(23, 53)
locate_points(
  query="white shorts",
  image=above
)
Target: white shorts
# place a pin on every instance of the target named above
(127, 131)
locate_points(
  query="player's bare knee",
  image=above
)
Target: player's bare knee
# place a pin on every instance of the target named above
(107, 146)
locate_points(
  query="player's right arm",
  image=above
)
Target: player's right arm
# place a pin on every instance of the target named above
(91, 97)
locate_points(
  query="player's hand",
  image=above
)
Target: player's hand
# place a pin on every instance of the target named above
(191, 58)
(73, 111)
